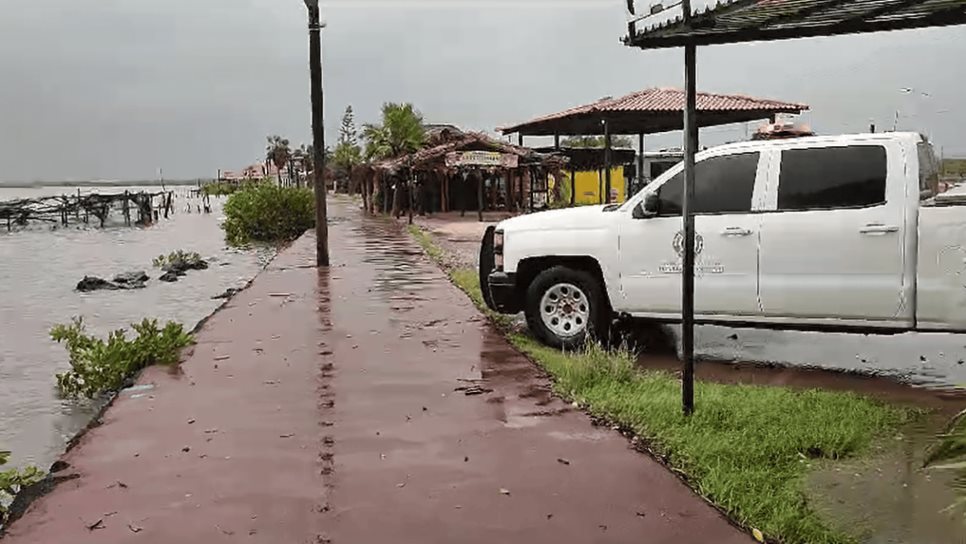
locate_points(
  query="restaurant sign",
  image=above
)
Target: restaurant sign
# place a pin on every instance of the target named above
(482, 158)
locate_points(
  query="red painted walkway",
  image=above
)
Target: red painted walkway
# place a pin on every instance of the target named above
(332, 407)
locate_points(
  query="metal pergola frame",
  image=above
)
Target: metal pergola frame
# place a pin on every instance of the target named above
(739, 21)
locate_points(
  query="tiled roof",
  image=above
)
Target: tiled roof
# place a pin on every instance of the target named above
(731, 21)
(661, 101)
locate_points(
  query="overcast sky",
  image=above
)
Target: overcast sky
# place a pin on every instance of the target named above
(115, 89)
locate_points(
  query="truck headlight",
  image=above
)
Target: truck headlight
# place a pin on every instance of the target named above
(498, 249)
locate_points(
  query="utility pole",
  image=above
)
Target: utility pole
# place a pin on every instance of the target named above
(318, 133)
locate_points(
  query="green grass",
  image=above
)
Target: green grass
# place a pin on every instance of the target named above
(747, 448)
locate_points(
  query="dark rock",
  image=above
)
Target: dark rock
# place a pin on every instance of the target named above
(92, 283)
(169, 277)
(230, 292)
(131, 277)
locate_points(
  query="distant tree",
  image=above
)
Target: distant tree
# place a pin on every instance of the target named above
(596, 141)
(347, 153)
(278, 151)
(401, 131)
(348, 132)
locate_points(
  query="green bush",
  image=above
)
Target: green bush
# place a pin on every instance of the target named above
(98, 366)
(268, 213)
(12, 481)
(180, 259)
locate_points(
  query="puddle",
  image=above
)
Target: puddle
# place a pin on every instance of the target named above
(888, 498)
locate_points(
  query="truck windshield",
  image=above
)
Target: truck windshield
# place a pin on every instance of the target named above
(928, 171)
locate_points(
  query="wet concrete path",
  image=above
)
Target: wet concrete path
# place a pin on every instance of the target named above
(367, 403)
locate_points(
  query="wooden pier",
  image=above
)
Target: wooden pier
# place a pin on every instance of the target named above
(141, 208)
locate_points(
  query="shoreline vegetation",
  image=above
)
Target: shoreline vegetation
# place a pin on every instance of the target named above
(268, 213)
(747, 449)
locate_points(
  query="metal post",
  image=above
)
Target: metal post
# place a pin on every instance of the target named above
(520, 139)
(640, 160)
(687, 296)
(607, 161)
(556, 142)
(318, 133)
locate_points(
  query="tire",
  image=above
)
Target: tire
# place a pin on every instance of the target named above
(565, 307)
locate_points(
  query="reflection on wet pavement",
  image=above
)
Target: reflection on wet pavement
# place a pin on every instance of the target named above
(434, 413)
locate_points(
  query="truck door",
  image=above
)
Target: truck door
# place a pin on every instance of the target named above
(834, 248)
(726, 264)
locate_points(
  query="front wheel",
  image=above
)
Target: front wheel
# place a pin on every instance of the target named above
(565, 307)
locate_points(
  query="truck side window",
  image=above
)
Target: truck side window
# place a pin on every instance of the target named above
(722, 184)
(928, 171)
(832, 177)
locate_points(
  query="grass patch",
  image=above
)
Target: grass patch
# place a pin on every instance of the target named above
(747, 448)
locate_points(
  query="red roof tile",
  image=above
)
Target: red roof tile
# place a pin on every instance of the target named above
(660, 101)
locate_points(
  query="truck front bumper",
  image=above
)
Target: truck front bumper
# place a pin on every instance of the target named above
(503, 293)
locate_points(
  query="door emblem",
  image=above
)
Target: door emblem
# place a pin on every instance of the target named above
(678, 243)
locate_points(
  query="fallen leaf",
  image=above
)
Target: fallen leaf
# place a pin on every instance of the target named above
(210, 431)
(99, 524)
(134, 528)
(186, 449)
(280, 294)
(226, 531)
(563, 461)
(403, 484)
(758, 536)
(109, 514)
(222, 357)
(286, 435)
(191, 421)
(504, 491)
(641, 514)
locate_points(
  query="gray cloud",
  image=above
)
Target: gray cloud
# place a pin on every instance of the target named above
(119, 88)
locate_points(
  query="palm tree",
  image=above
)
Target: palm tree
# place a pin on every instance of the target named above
(400, 132)
(278, 153)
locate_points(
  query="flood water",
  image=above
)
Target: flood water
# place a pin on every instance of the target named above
(39, 268)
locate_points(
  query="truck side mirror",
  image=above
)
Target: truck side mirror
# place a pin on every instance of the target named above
(648, 208)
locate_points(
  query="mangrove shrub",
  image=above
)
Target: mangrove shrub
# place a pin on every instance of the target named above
(99, 366)
(268, 213)
(12, 481)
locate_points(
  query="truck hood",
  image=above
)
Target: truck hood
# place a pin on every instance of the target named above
(584, 217)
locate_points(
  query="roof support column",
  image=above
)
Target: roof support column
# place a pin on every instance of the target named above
(640, 160)
(607, 161)
(687, 272)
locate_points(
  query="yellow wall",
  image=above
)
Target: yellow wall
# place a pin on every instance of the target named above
(589, 185)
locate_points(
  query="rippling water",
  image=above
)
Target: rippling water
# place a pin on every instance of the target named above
(39, 268)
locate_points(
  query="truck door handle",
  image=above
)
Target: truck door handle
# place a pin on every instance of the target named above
(878, 228)
(736, 231)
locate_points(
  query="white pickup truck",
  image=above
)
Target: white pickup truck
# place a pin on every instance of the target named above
(840, 232)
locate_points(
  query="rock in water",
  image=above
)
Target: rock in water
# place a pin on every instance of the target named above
(131, 277)
(93, 283)
(169, 277)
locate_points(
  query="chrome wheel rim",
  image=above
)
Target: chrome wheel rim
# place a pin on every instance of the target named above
(565, 310)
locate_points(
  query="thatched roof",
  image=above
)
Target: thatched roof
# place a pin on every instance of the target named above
(431, 158)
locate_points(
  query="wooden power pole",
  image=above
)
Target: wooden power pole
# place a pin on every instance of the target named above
(318, 133)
